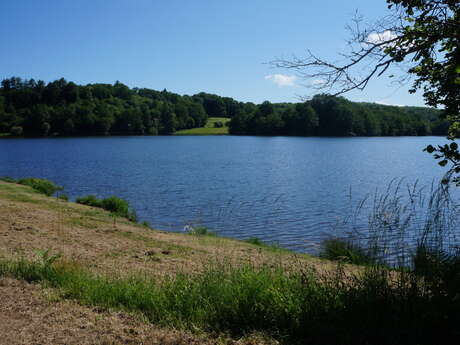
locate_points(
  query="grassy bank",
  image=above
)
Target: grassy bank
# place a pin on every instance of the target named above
(102, 244)
(201, 283)
(301, 307)
(209, 128)
(110, 243)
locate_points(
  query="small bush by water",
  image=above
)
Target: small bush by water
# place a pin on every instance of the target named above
(266, 245)
(8, 179)
(41, 185)
(345, 250)
(113, 204)
(255, 241)
(89, 200)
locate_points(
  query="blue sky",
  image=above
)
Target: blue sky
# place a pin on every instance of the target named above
(185, 46)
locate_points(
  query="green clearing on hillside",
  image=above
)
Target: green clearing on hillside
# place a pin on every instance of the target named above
(209, 128)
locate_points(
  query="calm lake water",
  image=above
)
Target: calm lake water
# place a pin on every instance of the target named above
(290, 190)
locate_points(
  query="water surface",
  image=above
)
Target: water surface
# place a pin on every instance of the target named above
(290, 190)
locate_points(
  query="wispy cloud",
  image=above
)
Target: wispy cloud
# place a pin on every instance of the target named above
(282, 79)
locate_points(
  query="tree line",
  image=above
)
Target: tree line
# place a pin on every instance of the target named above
(62, 108)
(36, 108)
(326, 115)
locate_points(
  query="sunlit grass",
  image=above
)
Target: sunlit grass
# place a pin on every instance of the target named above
(212, 120)
(208, 129)
(373, 306)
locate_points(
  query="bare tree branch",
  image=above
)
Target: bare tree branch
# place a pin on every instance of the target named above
(373, 50)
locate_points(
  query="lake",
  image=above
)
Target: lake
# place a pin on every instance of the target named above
(289, 190)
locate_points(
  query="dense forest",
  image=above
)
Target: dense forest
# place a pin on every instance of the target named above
(33, 108)
(36, 108)
(335, 116)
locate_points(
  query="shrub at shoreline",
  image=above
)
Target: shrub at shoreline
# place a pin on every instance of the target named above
(112, 204)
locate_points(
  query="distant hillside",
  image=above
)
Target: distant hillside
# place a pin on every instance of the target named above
(61, 108)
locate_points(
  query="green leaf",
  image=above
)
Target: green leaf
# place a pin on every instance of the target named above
(443, 162)
(429, 149)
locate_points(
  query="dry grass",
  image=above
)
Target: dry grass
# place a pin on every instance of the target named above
(92, 237)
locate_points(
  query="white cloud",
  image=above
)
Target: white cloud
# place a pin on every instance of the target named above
(385, 103)
(282, 79)
(379, 37)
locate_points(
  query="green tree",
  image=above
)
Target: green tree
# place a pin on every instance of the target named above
(239, 123)
(52, 94)
(213, 105)
(307, 119)
(121, 91)
(36, 120)
(70, 92)
(181, 111)
(101, 91)
(167, 120)
(198, 114)
(69, 126)
(371, 124)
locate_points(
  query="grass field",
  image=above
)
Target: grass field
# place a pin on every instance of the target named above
(208, 129)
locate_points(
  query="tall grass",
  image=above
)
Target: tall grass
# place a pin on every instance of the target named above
(346, 251)
(373, 306)
(415, 233)
(390, 227)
